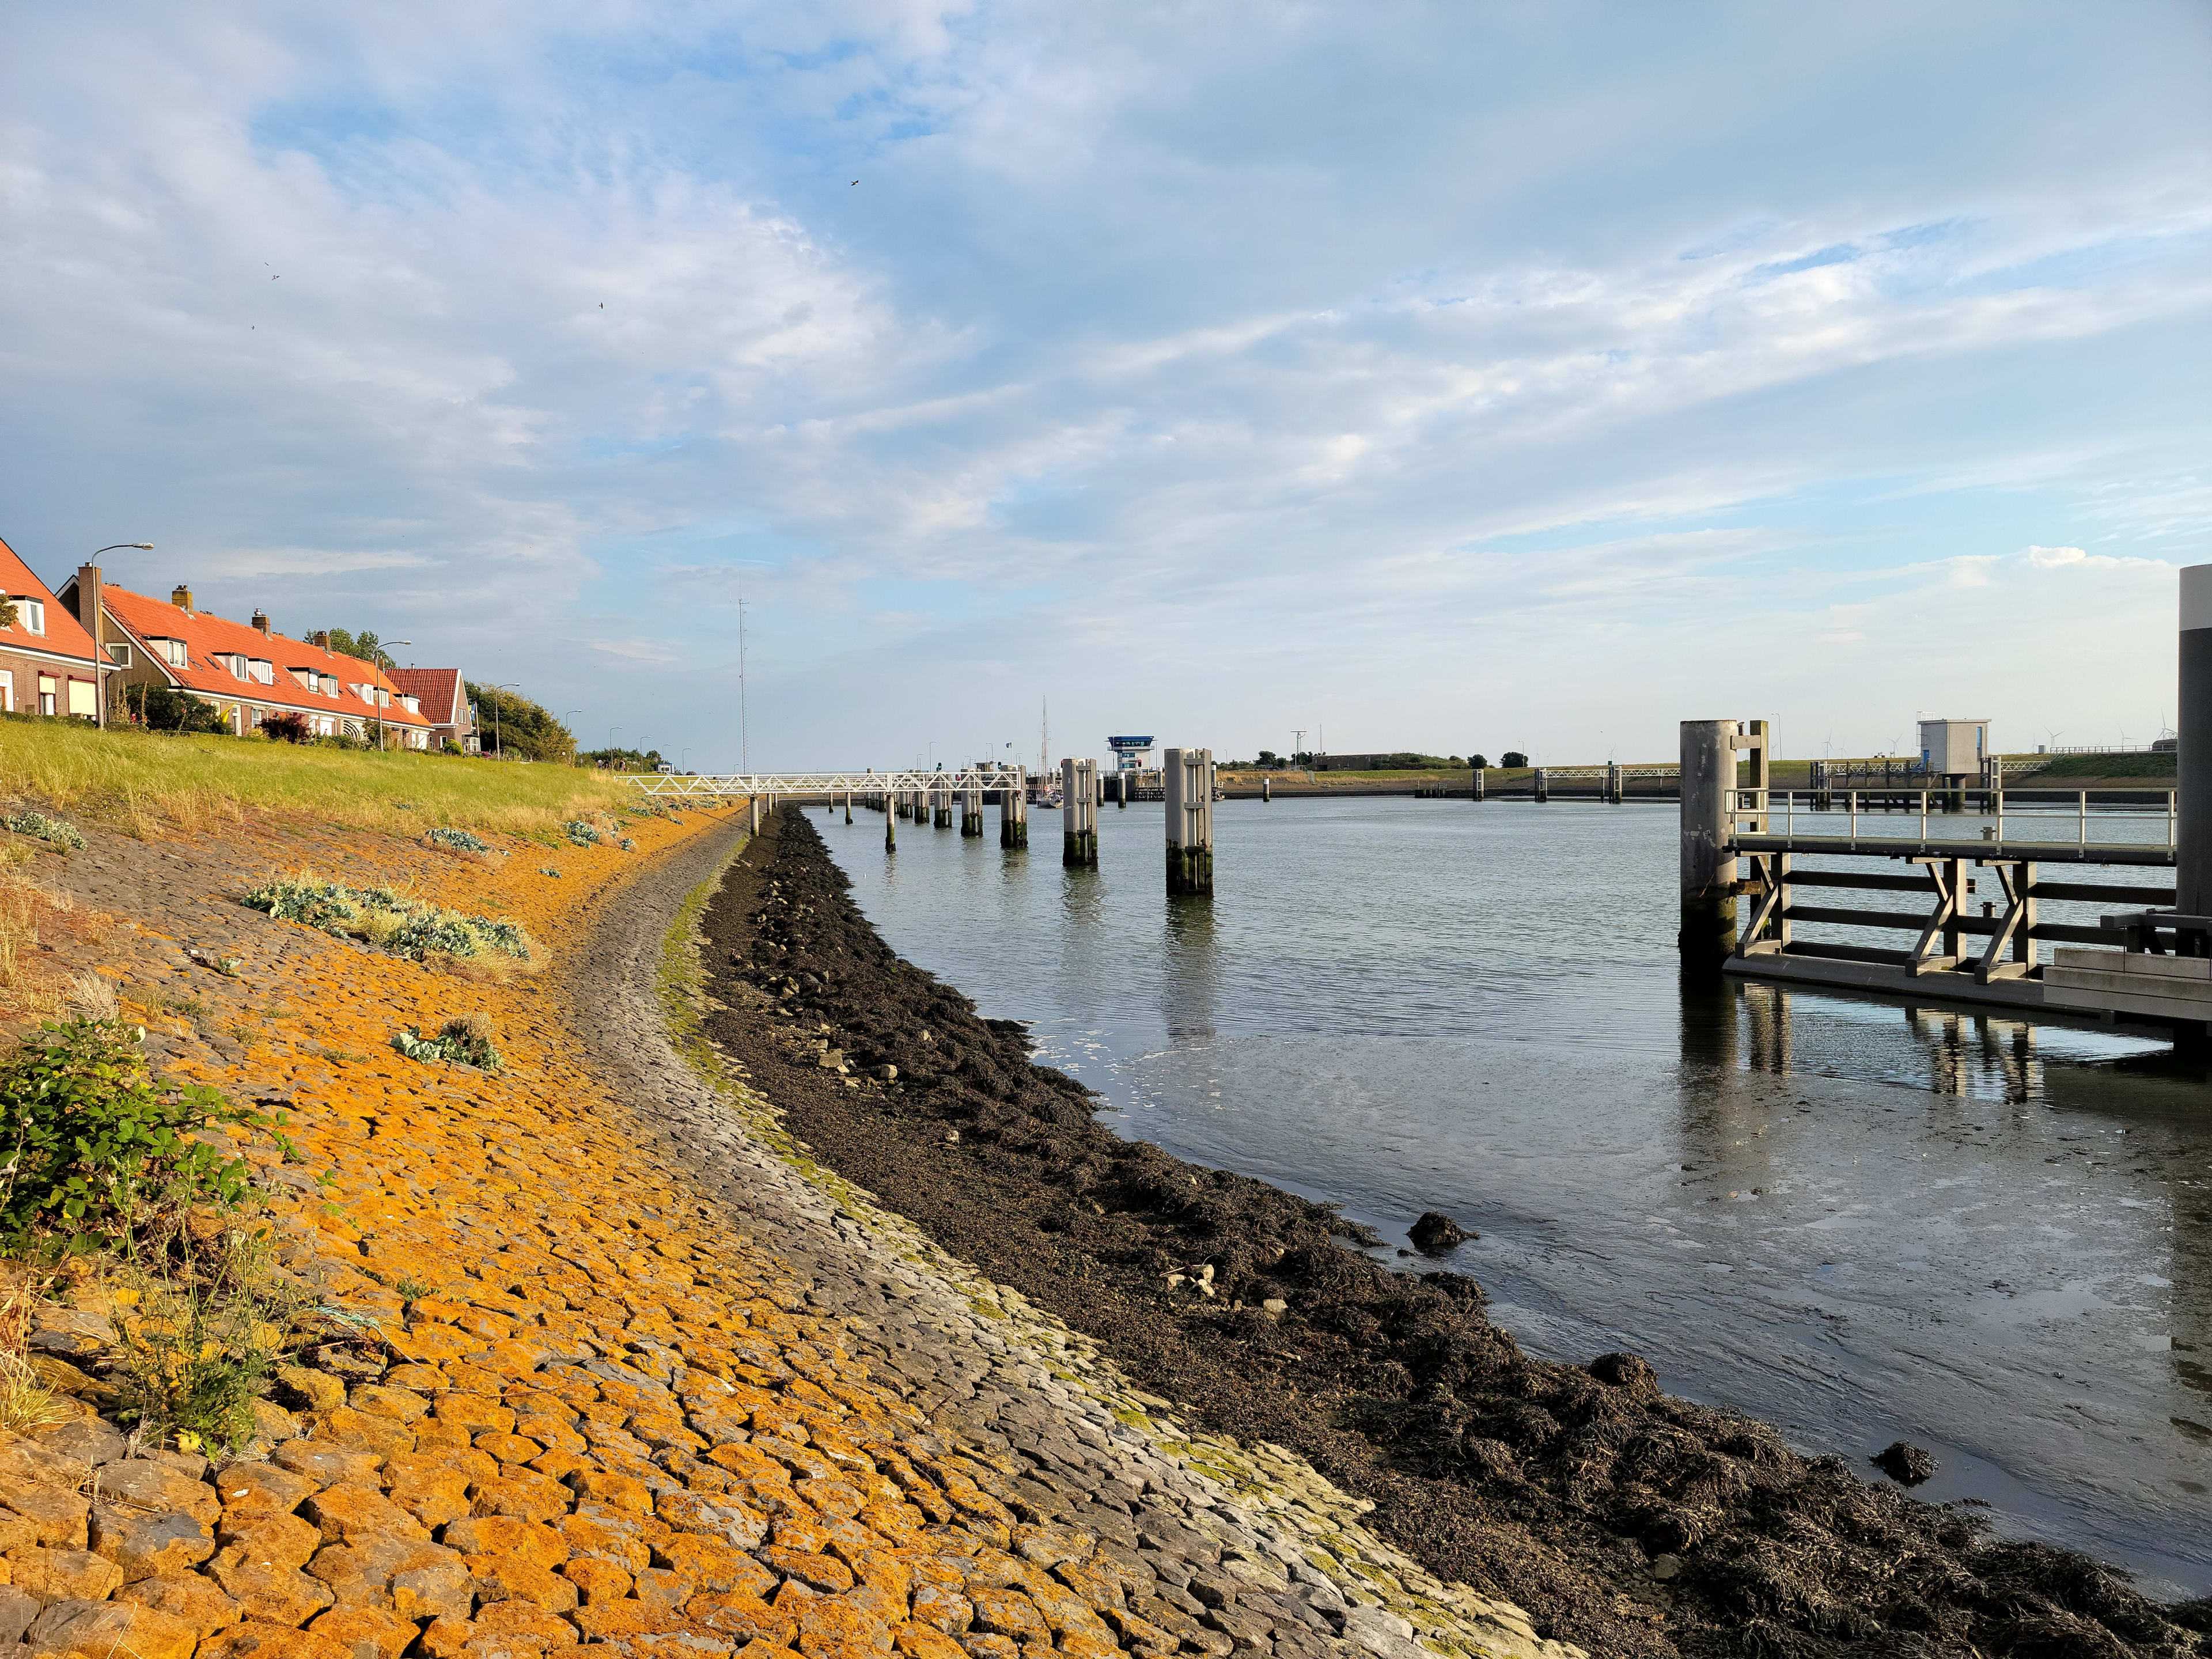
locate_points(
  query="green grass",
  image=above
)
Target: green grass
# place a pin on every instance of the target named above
(2096, 766)
(137, 779)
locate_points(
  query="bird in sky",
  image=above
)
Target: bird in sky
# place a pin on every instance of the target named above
(856, 181)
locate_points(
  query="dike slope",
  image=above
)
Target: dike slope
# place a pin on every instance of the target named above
(1626, 1521)
(638, 1377)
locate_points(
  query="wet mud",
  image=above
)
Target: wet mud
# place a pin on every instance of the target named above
(1625, 1520)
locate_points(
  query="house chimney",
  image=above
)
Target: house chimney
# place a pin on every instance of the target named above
(320, 638)
(88, 613)
(182, 597)
(261, 620)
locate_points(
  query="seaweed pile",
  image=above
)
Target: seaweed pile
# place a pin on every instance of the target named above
(1625, 1520)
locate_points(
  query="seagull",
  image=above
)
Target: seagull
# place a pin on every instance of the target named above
(856, 181)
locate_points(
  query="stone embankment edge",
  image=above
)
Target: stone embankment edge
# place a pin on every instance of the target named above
(1261, 1481)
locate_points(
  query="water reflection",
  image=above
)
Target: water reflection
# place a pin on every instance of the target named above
(1859, 1218)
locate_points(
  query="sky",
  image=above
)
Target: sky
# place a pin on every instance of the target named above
(1462, 376)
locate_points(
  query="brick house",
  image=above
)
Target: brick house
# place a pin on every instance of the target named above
(48, 663)
(247, 670)
(444, 701)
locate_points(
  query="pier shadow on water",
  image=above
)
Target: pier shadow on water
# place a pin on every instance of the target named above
(1860, 1220)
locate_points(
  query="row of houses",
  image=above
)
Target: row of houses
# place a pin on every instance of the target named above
(92, 651)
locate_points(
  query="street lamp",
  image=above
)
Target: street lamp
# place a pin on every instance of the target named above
(380, 707)
(612, 758)
(101, 662)
(498, 747)
(571, 752)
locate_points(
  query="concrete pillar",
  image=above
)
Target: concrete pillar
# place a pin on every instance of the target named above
(1541, 784)
(971, 814)
(2192, 872)
(752, 815)
(1708, 930)
(1079, 814)
(941, 798)
(848, 806)
(891, 820)
(1824, 798)
(1014, 812)
(1186, 775)
(1267, 790)
(1475, 788)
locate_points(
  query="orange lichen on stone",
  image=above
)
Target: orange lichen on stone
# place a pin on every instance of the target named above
(607, 1417)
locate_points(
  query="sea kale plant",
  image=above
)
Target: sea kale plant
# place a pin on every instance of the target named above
(405, 926)
(459, 840)
(52, 831)
(466, 1038)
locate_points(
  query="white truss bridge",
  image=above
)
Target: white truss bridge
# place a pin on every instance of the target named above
(724, 786)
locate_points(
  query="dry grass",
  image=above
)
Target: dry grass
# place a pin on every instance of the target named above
(26, 1402)
(138, 781)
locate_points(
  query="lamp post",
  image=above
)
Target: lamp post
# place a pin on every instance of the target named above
(612, 756)
(573, 752)
(380, 707)
(498, 746)
(101, 665)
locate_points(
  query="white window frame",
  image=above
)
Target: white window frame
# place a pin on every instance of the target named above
(33, 613)
(261, 671)
(119, 653)
(174, 652)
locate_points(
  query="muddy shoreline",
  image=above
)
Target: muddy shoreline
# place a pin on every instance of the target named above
(1625, 1521)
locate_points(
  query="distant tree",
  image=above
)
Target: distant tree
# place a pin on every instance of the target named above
(1269, 758)
(624, 760)
(1304, 758)
(507, 718)
(364, 644)
(1479, 762)
(1511, 759)
(285, 729)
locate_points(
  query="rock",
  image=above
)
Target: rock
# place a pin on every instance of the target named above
(17, 1610)
(1664, 1567)
(1275, 1304)
(54, 1515)
(327, 1465)
(154, 1484)
(1907, 1465)
(191, 1598)
(311, 1390)
(268, 1592)
(150, 1546)
(66, 1575)
(100, 1629)
(260, 1489)
(87, 1440)
(365, 1632)
(885, 1073)
(1436, 1233)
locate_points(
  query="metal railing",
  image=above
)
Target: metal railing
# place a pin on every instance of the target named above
(1761, 803)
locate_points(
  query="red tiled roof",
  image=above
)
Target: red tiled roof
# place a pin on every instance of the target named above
(65, 635)
(439, 689)
(209, 639)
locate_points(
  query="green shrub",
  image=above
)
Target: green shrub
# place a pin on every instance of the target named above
(94, 1144)
(459, 840)
(52, 831)
(582, 833)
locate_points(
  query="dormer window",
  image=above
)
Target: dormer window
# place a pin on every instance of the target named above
(329, 686)
(32, 613)
(261, 671)
(414, 705)
(175, 650)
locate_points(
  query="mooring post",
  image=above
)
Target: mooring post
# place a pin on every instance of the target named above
(1475, 784)
(1079, 814)
(1014, 812)
(1612, 782)
(848, 806)
(971, 814)
(1542, 785)
(2192, 871)
(890, 822)
(1186, 776)
(940, 795)
(1264, 793)
(1708, 930)
(752, 815)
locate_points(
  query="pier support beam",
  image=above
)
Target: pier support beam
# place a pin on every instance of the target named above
(971, 814)
(1474, 791)
(1187, 777)
(1708, 931)
(940, 796)
(1613, 782)
(2193, 723)
(1540, 784)
(1079, 814)
(891, 825)
(1014, 812)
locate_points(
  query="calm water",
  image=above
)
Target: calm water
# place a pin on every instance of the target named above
(1859, 1220)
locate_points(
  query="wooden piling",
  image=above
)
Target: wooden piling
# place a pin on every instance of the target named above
(1014, 812)
(1708, 870)
(1186, 775)
(848, 806)
(1079, 814)
(890, 822)
(1266, 792)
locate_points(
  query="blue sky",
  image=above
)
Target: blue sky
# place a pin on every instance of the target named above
(1440, 376)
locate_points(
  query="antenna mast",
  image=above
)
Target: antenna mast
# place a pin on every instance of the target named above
(1044, 738)
(744, 744)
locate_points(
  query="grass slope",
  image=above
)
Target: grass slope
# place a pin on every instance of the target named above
(134, 778)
